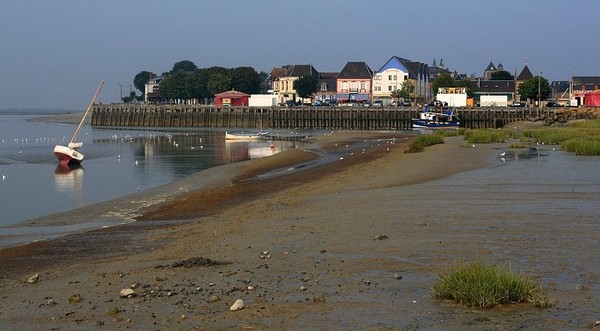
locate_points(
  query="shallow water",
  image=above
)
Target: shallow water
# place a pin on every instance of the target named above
(117, 162)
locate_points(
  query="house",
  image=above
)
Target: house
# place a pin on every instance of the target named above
(524, 75)
(353, 83)
(283, 83)
(151, 89)
(582, 87)
(494, 88)
(327, 87)
(231, 98)
(395, 72)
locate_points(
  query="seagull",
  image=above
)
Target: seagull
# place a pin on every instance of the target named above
(3, 177)
(503, 154)
(136, 162)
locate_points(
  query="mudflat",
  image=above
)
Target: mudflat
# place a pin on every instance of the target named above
(321, 246)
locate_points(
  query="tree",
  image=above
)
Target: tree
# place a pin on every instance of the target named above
(245, 79)
(306, 86)
(443, 80)
(185, 65)
(173, 86)
(466, 83)
(407, 89)
(502, 75)
(529, 88)
(140, 80)
(197, 85)
(219, 80)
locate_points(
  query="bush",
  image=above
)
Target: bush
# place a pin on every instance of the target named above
(422, 141)
(477, 284)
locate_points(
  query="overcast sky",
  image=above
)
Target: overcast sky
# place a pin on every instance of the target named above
(54, 53)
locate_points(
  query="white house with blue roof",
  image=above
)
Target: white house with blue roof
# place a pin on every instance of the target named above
(389, 78)
(394, 73)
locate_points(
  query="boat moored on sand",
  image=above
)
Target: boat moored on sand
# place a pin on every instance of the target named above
(70, 154)
(444, 118)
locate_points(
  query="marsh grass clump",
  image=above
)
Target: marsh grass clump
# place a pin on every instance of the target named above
(480, 285)
(581, 138)
(487, 136)
(422, 141)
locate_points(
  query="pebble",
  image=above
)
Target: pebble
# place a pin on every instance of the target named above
(237, 305)
(127, 293)
(33, 279)
(381, 237)
(113, 310)
(397, 276)
(250, 288)
(213, 298)
(74, 298)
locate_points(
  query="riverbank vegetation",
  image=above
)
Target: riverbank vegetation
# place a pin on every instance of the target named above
(480, 285)
(424, 140)
(581, 138)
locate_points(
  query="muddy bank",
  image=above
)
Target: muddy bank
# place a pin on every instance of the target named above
(352, 244)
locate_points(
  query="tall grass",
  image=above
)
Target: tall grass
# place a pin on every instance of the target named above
(424, 140)
(581, 138)
(486, 136)
(481, 285)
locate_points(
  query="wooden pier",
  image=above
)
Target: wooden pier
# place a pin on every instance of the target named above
(330, 118)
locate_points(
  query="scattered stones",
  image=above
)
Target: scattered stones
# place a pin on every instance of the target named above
(237, 305)
(127, 293)
(75, 298)
(181, 318)
(265, 255)
(380, 237)
(33, 279)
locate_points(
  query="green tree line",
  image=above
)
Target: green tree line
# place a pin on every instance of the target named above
(187, 81)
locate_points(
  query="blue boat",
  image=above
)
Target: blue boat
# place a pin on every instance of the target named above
(445, 118)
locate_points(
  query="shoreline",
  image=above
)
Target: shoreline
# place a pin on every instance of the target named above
(348, 244)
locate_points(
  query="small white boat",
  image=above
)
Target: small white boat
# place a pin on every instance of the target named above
(246, 135)
(70, 154)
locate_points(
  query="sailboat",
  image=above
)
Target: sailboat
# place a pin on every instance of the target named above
(70, 154)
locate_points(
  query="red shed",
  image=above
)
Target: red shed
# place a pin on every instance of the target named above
(592, 99)
(232, 98)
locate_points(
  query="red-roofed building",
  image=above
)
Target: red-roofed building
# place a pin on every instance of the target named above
(232, 98)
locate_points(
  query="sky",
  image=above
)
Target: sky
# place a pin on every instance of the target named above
(53, 54)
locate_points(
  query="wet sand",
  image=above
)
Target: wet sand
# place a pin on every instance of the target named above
(329, 247)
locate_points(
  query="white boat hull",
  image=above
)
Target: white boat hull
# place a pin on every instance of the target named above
(245, 136)
(67, 155)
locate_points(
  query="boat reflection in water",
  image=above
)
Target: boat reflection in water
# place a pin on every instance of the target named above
(68, 178)
(236, 150)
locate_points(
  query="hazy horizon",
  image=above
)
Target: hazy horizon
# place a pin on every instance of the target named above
(55, 53)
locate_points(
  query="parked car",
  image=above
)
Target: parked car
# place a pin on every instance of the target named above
(553, 104)
(518, 104)
(378, 103)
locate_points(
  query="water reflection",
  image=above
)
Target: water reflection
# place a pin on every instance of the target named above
(69, 179)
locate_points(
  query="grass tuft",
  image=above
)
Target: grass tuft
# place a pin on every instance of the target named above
(485, 286)
(487, 136)
(422, 141)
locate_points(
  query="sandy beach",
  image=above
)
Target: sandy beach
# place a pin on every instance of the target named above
(332, 246)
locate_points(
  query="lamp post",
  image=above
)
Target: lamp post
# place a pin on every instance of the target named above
(540, 89)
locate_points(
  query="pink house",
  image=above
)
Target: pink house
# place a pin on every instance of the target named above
(354, 83)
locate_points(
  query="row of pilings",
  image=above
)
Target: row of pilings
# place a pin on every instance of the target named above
(330, 118)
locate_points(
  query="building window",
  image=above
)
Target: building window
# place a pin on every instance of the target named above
(324, 87)
(363, 85)
(390, 88)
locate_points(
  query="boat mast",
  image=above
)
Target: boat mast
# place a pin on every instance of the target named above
(86, 112)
